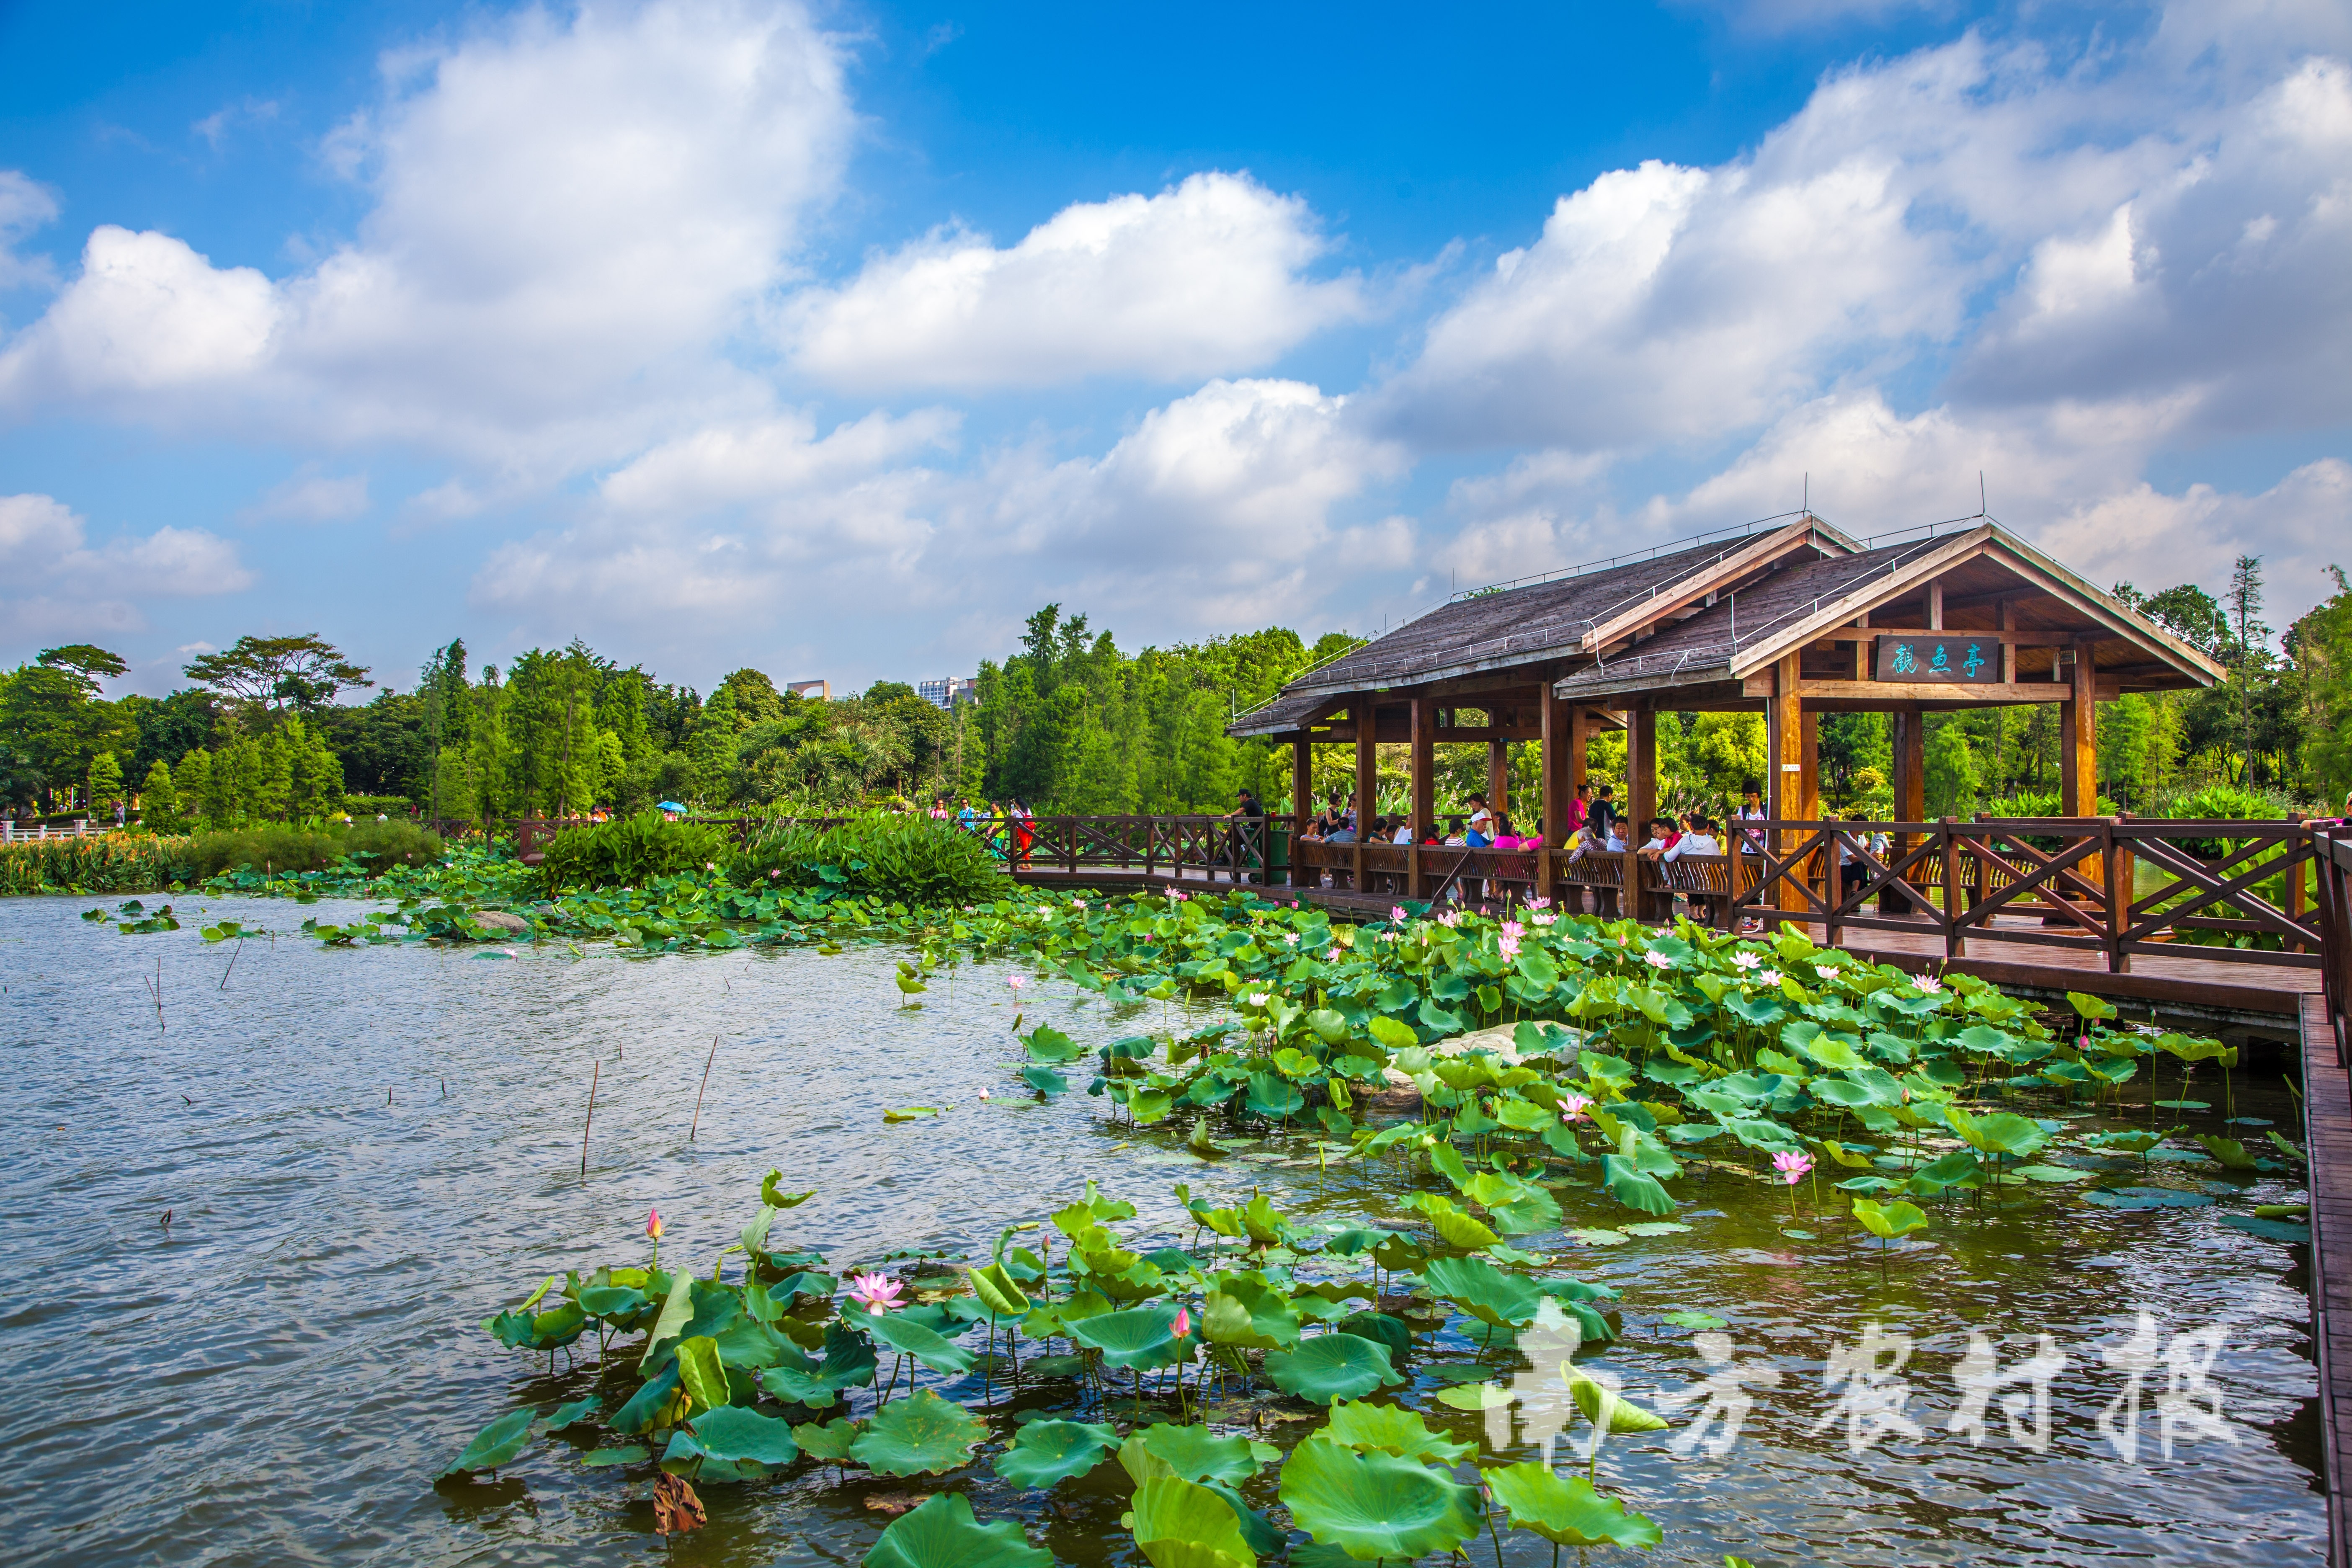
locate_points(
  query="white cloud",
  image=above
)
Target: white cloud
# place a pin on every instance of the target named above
(1218, 510)
(59, 586)
(1206, 278)
(311, 496)
(569, 219)
(24, 207)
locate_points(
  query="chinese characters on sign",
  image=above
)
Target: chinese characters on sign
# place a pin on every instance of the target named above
(1961, 658)
(1870, 1399)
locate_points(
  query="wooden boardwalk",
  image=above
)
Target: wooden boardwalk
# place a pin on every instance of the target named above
(2327, 1134)
(2216, 991)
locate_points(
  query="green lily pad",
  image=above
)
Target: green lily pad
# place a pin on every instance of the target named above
(626, 1453)
(2185, 1104)
(1332, 1366)
(1045, 1080)
(1053, 1365)
(2274, 1229)
(1699, 1321)
(1376, 1505)
(1179, 1524)
(1049, 1452)
(1485, 1291)
(734, 1433)
(1598, 1238)
(902, 1333)
(2136, 1198)
(832, 1440)
(571, 1415)
(919, 1435)
(1795, 1235)
(1654, 1227)
(1197, 1454)
(497, 1444)
(2052, 1173)
(1475, 1397)
(1566, 1512)
(1136, 1336)
(1391, 1429)
(942, 1533)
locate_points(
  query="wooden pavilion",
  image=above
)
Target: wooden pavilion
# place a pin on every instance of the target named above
(1789, 617)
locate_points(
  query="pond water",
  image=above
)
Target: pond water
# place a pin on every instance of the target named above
(365, 1153)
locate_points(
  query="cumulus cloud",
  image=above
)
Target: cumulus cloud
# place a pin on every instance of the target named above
(1218, 510)
(569, 218)
(1206, 278)
(59, 585)
(25, 206)
(311, 496)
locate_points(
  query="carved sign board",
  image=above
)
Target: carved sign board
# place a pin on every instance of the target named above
(1954, 657)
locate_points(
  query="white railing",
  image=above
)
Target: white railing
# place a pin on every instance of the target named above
(83, 828)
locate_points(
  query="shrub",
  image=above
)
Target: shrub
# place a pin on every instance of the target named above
(272, 848)
(909, 859)
(627, 852)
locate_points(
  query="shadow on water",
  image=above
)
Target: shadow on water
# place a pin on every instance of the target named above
(364, 1154)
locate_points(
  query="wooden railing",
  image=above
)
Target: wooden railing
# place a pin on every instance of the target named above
(2076, 879)
(2332, 880)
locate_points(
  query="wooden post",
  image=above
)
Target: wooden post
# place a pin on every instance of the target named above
(2078, 747)
(1579, 735)
(1499, 776)
(1562, 731)
(1367, 779)
(1641, 800)
(1424, 809)
(1302, 796)
(1788, 739)
(2118, 899)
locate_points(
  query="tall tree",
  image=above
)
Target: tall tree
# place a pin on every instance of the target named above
(279, 673)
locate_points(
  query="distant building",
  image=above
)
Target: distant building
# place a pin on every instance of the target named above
(821, 691)
(949, 691)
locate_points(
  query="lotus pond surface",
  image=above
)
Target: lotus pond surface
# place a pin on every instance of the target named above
(364, 1153)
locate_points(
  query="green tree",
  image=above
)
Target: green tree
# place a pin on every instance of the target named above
(159, 799)
(105, 782)
(1952, 783)
(302, 673)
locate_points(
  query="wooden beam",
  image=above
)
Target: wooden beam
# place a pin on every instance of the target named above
(1499, 776)
(1910, 739)
(1302, 783)
(2078, 739)
(1367, 779)
(1868, 594)
(1560, 731)
(1985, 692)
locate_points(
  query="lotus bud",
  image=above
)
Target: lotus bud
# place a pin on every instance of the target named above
(654, 1224)
(1183, 1324)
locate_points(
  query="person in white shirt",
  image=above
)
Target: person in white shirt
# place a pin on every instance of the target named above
(1699, 840)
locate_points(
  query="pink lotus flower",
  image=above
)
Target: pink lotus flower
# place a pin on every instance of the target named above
(1770, 977)
(1545, 920)
(1929, 986)
(654, 1224)
(711, 865)
(2082, 1042)
(1658, 960)
(1396, 913)
(1745, 960)
(1508, 946)
(878, 1293)
(1016, 983)
(1183, 1324)
(1258, 998)
(1792, 1167)
(1332, 956)
(1828, 976)
(1291, 937)
(983, 1095)
(1539, 903)
(1449, 920)
(1573, 1106)
(1514, 929)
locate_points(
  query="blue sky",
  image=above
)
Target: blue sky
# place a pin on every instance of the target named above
(836, 340)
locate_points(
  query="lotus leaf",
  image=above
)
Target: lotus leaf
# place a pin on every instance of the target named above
(1136, 1337)
(1045, 1080)
(626, 1453)
(2228, 1151)
(705, 1375)
(1627, 1184)
(1694, 1320)
(920, 1433)
(1376, 1505)
(497, 1444)
(614, 1303)
(638, 1414)
(1483, 1290)
(1594, 1236)
(1390, 1332)
(2002, 1132)
(678, 1308)
(747, 1343)
(1605, 1406)
(571, 1415)
(910, 1337)
(2136, 1198)
(773, 1195)
(795, 1386)
(943, 1534)
(997, 1291)
(1050, 1044)
(1477, 1396)
(1332, 1366)
(1046, 1453)
(1197, 1454)
(730, 1433)
(1566, 1512)
(1890, 1220)
(1454, 1226)
(1392, 1430)
(1271, 1095)
(1389, 1031)
(2274, 1229)
(831, 1441)
(1178, 1524)
(2052, 1173)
